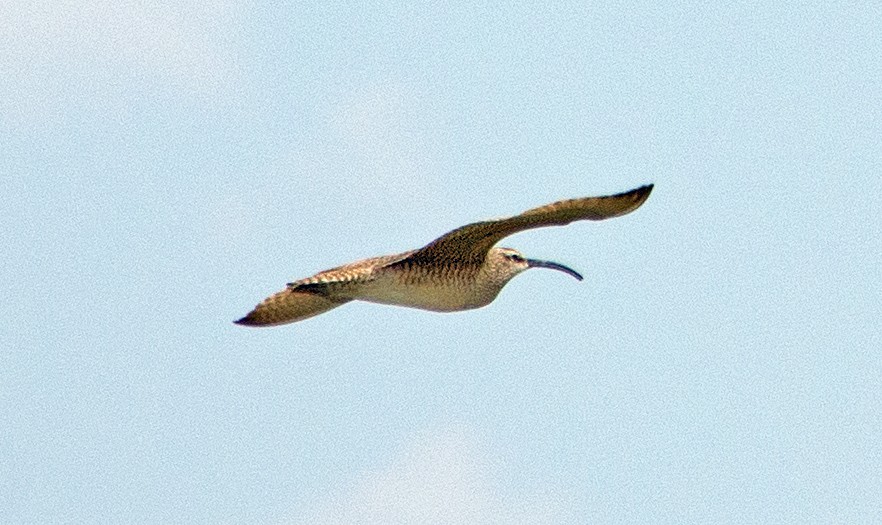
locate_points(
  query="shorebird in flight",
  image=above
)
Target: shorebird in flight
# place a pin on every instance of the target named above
(460, 270)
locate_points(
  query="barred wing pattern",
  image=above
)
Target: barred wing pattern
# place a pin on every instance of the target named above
(313, 295)
(470, 243)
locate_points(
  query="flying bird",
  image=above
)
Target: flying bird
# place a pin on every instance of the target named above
(460, 270)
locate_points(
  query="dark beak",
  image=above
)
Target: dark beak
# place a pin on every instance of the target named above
(535, 263)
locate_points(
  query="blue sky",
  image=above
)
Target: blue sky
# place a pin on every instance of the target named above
(165, 167)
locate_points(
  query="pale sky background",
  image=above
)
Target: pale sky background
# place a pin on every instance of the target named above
(165, 167)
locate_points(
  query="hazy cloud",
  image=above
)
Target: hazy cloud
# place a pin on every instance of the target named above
(50, 46)
(385, 127)
(445, 477)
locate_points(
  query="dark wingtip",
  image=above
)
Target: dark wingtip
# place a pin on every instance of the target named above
(248, 320)
(643, 191)
(637, 196)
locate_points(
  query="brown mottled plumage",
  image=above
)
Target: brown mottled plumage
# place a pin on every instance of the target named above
(460, 270)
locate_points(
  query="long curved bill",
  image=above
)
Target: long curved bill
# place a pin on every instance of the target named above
(536, 263)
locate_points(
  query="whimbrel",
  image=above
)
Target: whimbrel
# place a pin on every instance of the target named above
(460, 270)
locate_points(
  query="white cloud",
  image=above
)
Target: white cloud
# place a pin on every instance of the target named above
(385, 127)
(445, 477)
(45, 46)
(368, 157)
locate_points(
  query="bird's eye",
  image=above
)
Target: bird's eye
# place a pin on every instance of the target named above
(515, 257)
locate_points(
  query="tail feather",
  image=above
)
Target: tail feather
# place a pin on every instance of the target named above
(288, 306)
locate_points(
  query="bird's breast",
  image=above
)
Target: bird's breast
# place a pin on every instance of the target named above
(439, 293)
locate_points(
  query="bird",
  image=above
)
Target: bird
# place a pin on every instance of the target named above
(461, 270)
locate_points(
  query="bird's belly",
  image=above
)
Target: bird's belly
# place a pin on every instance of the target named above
(423, 295)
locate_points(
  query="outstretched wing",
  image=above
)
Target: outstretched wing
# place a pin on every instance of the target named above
(470, 243)
(314, 295)
(288, 306)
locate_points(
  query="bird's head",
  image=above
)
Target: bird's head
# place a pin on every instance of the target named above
(509, 262)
